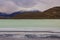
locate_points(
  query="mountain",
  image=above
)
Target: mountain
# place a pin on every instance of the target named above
(52, 13)
(15, 13)
(7, 16)
(3, 15)
(28, 15)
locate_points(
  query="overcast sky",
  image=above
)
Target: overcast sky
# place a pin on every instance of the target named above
(10, 6)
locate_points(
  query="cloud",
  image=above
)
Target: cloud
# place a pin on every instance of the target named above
(25, 3)
(31, 4)
(10, 6)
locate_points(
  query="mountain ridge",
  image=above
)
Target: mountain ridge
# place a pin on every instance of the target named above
(52, 13)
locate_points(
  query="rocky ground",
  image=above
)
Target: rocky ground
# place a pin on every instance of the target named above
(29, 39)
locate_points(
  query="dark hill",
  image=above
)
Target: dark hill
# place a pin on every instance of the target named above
(28, 15)
(3, 15)
(7, 16)
(52, 13)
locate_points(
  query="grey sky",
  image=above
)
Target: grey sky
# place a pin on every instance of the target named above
(10, 6)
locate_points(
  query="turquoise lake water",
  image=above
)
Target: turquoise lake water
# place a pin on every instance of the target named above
(30, 24)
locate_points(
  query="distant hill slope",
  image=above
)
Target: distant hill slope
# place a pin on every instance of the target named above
(3, 15)
(7, 16)
(52, 13)
(27, 15)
